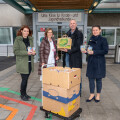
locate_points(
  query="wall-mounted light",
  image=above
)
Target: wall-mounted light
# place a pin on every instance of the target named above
(34, 9)
(95, 4)
(86, 10)
(90, 11)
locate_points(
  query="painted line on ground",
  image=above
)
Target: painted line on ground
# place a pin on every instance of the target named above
(17, 93)
(14, 111)
(49, 118)
(32, 112)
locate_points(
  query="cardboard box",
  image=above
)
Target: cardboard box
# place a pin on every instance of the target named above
(62, 109)
(61, 94)
(62, 77)
(64, 42)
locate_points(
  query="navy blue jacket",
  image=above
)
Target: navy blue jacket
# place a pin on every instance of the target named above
(96, 67)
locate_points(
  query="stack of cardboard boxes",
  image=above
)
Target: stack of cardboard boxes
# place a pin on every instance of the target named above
(61, 90)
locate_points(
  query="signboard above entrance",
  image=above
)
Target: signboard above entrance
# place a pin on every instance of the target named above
(59, 17)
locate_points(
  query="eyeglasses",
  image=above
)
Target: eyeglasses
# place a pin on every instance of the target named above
(50, 32)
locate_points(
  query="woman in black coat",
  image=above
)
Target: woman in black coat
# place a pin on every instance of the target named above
(96, 67)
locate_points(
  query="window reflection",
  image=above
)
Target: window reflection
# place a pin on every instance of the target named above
(89, 34)
(118, 36)
(109, 34)
(5, 36)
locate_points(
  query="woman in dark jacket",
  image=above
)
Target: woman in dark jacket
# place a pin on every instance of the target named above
(96, 67)
(47, 50)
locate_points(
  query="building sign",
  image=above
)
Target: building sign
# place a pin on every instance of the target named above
(59, 17)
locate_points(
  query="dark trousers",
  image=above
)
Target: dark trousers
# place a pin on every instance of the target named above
(24, 82)
(98, 84)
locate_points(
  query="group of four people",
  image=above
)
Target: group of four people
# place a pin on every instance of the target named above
(72, 58)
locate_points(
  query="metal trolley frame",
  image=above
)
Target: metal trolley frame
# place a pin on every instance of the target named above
(72, 117)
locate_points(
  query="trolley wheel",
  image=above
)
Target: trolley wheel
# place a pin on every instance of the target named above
(47, 115)
(78, 115)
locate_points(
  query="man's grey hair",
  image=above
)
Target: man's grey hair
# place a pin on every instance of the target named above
(73, 20)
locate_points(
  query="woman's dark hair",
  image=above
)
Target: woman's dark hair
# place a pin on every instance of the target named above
(19, 33)
(98, 26)
(47, 31)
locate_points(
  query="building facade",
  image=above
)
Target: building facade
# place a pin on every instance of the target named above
(11, 20)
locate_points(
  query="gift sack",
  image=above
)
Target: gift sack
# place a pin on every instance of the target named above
(64, 42)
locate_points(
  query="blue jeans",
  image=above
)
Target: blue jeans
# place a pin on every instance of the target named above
(67, 60)
(81, 86)
(98, 85)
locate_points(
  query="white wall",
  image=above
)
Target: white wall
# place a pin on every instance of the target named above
(9, 16)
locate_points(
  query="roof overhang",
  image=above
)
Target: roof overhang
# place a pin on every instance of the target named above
(89, 6)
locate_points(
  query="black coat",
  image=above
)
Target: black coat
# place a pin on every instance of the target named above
(96, 67)
(75, 59)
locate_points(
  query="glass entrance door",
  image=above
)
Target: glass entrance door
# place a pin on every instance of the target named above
(58, 32)
(40, 34)
(41, 29)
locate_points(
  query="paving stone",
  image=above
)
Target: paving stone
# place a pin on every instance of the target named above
(4, 114)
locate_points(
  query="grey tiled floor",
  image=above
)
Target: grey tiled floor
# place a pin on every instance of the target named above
(107, 109)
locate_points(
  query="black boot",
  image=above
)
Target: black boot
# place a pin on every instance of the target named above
(23, 96)
(27, 96)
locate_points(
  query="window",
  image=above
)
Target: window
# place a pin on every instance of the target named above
(89, 34)
(15, 30)
(2, 2)
(118, 36)
(109, 34)
(6, 36)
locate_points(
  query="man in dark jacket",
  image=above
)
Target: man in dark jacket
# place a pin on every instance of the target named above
(73, 57)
